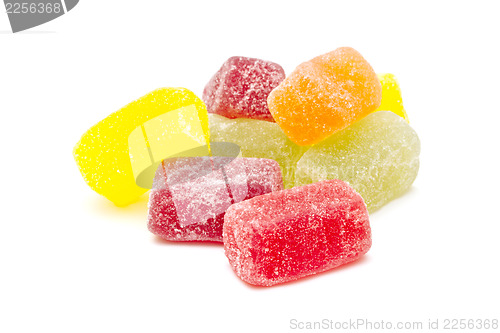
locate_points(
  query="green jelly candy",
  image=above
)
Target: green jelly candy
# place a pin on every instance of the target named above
(258, 138)
(378, 156)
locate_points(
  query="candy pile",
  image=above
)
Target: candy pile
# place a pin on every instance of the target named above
(282, 170)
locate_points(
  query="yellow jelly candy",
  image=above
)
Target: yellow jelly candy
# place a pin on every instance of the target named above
(116, 156)
(391, 96)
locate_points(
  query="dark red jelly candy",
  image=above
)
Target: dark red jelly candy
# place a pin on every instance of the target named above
(241, 86)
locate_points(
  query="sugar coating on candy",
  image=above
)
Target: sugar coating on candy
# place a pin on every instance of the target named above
(391, 95)
(239, 89)
(325, 95)
(283, 236)
(102, 154)
(190, 195)
(378, 156)
(260, 139)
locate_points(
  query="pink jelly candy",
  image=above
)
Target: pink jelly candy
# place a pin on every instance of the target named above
(190, 195)
(241, 86)
(283, 236)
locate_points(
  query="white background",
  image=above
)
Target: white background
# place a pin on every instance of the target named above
(70, 261)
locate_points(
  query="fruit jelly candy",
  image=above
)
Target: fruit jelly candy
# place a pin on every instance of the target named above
(241, 86)
(391, 95)
(102, 154)
(378, 156)
(260, 139)
(283, 236)
(191, 194)
(325, 95)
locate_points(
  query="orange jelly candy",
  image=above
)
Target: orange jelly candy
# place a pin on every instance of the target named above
(325, 95)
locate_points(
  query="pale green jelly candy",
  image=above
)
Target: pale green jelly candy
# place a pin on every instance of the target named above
(378, 156)
(258, 138)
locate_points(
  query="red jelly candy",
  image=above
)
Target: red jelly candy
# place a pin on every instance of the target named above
(191, 194)
(283, 236)
(241, 86)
